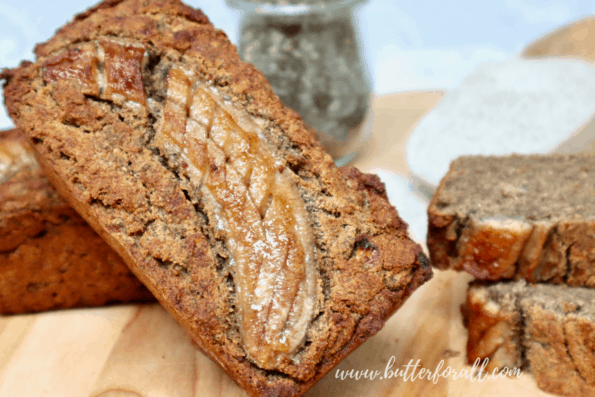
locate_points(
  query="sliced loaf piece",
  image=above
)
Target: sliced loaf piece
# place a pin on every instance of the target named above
(548, 330)
(529, 217)
(49, 257)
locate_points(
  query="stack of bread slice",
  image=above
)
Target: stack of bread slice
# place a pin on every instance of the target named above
(524, 227)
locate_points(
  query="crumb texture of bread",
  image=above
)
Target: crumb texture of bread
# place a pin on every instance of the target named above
(220, 200)
(549, 331)
(526, 217)
(49, 257)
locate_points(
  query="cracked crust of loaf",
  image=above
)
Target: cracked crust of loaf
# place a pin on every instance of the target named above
(106, 166)
(49, 257)
(507, 231)
(548, 330)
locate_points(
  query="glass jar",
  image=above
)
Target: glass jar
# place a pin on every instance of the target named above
(310, 52)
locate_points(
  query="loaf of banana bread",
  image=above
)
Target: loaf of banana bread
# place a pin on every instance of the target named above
(220, 200)
(49, 257)
(517, 217)
(548, 330)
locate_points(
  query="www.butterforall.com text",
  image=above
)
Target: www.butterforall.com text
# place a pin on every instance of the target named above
(414, 371)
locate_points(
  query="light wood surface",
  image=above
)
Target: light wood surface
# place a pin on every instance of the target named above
(139, 351)
(575, 41)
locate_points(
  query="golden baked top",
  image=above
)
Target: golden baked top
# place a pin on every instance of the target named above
(217, 196)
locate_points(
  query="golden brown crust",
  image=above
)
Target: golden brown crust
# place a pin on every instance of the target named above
(101, 158)
(493, 329)
(49, 257)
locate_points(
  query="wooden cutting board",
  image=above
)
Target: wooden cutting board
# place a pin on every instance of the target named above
(139, 351)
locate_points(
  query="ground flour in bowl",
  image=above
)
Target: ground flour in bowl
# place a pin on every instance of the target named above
(516, 106)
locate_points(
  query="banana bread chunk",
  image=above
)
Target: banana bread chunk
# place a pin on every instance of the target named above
(548, 330)
(49, 257)
(517, 217)
(276, 262)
